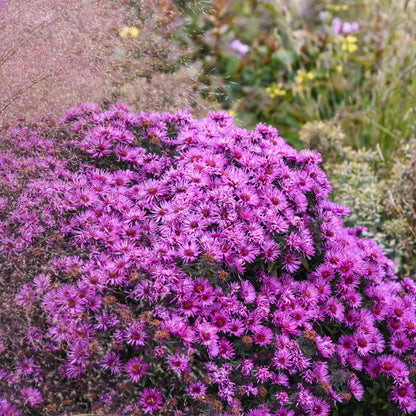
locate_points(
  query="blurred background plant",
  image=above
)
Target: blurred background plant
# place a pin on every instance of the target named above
(155, 57)
(287, 63)
(55, 54)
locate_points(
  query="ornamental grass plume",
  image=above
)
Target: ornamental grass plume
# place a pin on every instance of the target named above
(158, 264)
(54, 53)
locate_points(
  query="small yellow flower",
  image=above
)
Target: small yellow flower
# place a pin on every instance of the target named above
(338, 68)
(232, 113)
(134, 32)
(124, 32)
(275, 90)
(337, 8)
(129, 32)
(351, 39)
(349, 44)
(303, 77)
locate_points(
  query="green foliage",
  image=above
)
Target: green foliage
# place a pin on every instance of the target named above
(380, 194)
(365, 79)
(400, 206)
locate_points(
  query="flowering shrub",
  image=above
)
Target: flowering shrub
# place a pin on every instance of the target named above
(167, 265)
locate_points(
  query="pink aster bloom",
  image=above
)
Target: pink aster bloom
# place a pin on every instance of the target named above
(197, 390)
(399, 343)
(247, 291)
(404, 396)
(247, 367)
(284, 412)
(372, 366)
(8, 409)
(263, 375)
(135, 334)
(25, 367)
(135, 369)
(387, 364)
(263, 336)
(220, 321)
(178, 363)
(150, 400)
(335, 309)
(281, 359)
(111, 361)
(189, 251)
(207, 334)
(319, 407)
(31, 396)
(355, 386)
(189, 306)
(291, 262)
(325, 346)
(236, 327)
(226, 350)
(282, 398)
(363, 343)
(240, 48)
(248, 252)
(271, 251)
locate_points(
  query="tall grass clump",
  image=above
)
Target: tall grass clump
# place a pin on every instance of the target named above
(55, 53)
(158, 264)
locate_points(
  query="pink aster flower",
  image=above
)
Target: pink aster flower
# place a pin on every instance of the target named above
(355, 386)
(325, 346)
(220, 321)
(363, 343)
(189, 251)
(247, 367)
(178, 363)
(197, 390)
(263, 375)
(189, 306)
(226, 350)
(207, 334)
(399, 343)
(404, 396)
(319, 407)
(150, 400)
(135, 369)
(281, 359)
(236, 327)
(239, 48)
(263, 336)
(7, 408)
(291, 262)
(247, 291)
(111, 361)
(31, 396)
(135, 334)
(335, 309)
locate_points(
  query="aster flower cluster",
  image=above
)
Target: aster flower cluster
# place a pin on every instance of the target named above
(199, 269)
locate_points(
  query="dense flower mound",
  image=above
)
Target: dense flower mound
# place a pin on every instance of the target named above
(194, 267)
